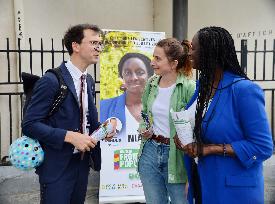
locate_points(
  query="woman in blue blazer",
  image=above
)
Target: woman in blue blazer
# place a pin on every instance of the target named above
(231, 130)
(134, 69)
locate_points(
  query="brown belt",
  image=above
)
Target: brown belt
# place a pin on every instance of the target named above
(161, 139)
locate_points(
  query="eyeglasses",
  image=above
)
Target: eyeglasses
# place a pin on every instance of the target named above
(96, 44)
(128, 74)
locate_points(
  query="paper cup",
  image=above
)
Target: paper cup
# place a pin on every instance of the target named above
(183, 126)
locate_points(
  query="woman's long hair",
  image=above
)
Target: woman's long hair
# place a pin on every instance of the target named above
(216, 51)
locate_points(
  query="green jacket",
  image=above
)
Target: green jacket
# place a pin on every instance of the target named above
(179, 99)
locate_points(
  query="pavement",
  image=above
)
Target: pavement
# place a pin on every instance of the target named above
(19, 187)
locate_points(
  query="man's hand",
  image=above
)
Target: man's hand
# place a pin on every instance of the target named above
(81, 142)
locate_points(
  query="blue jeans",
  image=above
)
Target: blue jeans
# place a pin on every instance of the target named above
(153, 170)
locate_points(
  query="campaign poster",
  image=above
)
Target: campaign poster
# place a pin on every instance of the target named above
(119, 179)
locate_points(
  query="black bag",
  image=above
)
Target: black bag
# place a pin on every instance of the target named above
(29, 81)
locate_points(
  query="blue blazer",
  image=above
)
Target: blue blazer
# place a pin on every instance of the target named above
(236, 116)
(113, 107)
(50, 132)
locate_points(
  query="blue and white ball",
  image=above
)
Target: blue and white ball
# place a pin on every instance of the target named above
(26, 153)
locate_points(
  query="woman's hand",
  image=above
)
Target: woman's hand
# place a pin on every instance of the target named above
(189, 149)
(192, 149)
(178, 143)
(147, 133)
(208, 149)
(110, 136)
(186, 189)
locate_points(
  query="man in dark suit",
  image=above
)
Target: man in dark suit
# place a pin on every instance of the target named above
(64, 136)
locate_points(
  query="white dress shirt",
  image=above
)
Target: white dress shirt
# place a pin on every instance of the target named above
(76, 75)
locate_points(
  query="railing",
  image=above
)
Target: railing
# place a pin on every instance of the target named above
(13, 113)
(262, 64)
(14, 61)
(254, 73)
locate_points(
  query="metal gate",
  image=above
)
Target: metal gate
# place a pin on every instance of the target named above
(259, 65)
(14, 61)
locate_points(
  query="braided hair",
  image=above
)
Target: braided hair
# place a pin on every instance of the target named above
(216, 51)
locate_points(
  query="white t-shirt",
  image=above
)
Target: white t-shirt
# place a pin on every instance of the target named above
(131, 124)
(160, 111)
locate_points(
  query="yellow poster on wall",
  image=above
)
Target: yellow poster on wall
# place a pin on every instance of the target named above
(124, 70)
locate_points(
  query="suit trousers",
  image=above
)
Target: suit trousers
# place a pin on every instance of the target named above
(71, 187)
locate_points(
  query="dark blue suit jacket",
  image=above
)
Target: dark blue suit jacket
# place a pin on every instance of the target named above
(51, 132)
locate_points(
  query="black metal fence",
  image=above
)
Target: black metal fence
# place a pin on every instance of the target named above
(7, 56)
(255, 53)
(259, 65)
(11, 76)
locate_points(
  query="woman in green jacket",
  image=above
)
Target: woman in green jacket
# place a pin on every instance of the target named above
(161, 166)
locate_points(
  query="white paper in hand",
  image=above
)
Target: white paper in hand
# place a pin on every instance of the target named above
(107, 128)
(183, 126)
